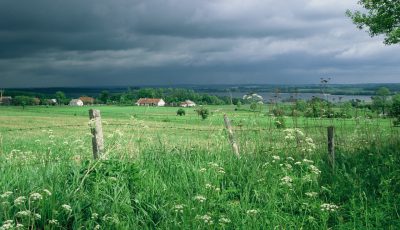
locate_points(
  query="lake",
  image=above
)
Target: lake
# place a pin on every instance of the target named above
(305, 96)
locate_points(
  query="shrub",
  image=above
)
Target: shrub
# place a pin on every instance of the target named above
(181, 112)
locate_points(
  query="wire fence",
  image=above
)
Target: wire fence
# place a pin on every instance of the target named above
(345, 137)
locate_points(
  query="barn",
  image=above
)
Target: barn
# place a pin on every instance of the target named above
(150, 102)
(188, 103)
(76, 102)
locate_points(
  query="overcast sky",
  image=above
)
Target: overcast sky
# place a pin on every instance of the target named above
(134, 42)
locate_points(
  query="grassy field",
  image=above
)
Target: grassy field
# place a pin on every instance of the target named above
(170, 172)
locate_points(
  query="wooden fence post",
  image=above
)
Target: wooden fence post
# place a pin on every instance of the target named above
(331, 145)
(231, 136)
(97, 133)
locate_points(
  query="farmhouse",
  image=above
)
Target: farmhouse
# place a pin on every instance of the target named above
(5, 100)
(188, 103)
(87, 100)
(150, 102)
(76, 102)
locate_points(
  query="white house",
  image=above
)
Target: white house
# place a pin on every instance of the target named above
(188, 103)
(76, 102)
(150, 102)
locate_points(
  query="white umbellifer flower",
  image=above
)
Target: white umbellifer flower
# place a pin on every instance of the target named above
(202, 170)
(209, 186)
(298, 163)
(178, 208)
(20, 200)
(35, 196)
(311, 194)
(200, 198)
(95, 216)
(66, 207)
(287, 180)
(213, 164)
(315, 170)
(19, 225)
(24, 213)
(221, 170)
(308, 161)
(206, 218)
(47, 192)
(329, 207)
(276, 158)
(97, 227)
(37, 216)
(290, 158)
(252, 212)
(6, 194)
(8, 224)
(224, 220)
(53, 221)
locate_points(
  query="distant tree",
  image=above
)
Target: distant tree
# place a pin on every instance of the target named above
(23, 101)
(61, 98)
(381, 100)
(395, 108)
(382, 17)
(181, 112)
(104, 96)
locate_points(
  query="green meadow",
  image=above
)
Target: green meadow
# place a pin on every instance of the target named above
(163, 171)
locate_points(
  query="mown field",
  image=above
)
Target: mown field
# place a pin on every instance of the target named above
(165, 171)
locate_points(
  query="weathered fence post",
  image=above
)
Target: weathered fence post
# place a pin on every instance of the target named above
(231, 136)
(97, 133)
(331, 145)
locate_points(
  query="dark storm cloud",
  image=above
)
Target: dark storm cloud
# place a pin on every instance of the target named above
(120, 42)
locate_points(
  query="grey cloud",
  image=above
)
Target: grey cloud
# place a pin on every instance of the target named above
(120, 42)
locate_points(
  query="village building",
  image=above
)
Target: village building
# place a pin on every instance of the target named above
(52, 101)
(5, 100)
(87, 100)
(76, 102)
(150, 102)
(188, 103)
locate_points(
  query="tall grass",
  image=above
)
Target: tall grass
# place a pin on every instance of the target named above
(155, 177)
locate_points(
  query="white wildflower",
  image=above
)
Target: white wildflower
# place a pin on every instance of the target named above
(53, 221)
(47, 192)
(290, 158)
(287, 180)
(206, 218)
(8, 224)
(95, 216)
(308, 161)
(329, 207)
(311, 194)
(37, 216)
(178, 208)
(276, 158)
(6, 194)
(202, 170)
(20, 200)
(35, 196)
(224, 220)
(97, 227)
(24, 213)
(200, 198)
(315, 170)
(252, 212)
(66, 207)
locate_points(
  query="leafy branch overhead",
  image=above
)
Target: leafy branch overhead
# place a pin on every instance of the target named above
(381, 17)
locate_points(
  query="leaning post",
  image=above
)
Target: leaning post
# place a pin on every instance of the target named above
(331, 145)
(231, 136)
(97, 133)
